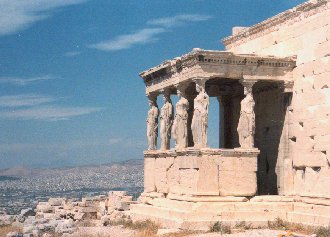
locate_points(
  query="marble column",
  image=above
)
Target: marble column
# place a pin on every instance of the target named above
(166, 120)
(152, 122)
(246, 123)
(199, 122)
(180, 123)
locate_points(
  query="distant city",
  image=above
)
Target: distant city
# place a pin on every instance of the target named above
(23, 187)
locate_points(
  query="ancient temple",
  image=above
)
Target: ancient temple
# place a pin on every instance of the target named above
(272, 161)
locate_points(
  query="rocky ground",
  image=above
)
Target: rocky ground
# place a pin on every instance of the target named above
(109, 216)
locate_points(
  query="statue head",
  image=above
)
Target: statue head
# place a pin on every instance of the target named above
(166, 97)
(247, 90)
(152, 100)
(200, 86)
(181, 91)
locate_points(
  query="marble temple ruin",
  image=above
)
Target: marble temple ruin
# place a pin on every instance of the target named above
(273, 159)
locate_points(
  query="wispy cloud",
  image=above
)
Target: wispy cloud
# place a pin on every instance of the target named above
(48, 113)
(178, 20)
(72, 53)
(18, 81)
(24, 100)
(76, 144)
(149, 34)
(143, 36)
(17, 15)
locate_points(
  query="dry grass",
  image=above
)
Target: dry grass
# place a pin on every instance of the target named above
(323, 232)
(243, 226)
(6, 229)
(220, 227)
(145, 228)
(279, 224)
(182, 233)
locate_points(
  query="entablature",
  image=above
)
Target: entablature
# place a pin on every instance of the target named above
(208, 64)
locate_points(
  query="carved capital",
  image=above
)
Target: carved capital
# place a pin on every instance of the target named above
(166, 92)
(152, 98)
(288, 86)
(201, 82)
(248, 85)
(181, 88)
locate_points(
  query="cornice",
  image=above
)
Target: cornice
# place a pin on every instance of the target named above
(296, 14)
(213, 57)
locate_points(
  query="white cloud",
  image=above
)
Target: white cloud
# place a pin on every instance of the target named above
(24, 81)
(148, 35)
(143, 36)
(24, 100)
(48, 113)
(178, 20)
(72, 53)
(17, 15)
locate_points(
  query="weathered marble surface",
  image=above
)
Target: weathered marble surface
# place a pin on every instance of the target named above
(199, 123)
(246, 123)
(180, 129)
(152, 124)
(166, 120)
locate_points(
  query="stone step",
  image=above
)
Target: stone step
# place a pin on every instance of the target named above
(308, 219)
(157, 211)
(172, 204)
(252, 215)
(205, 225)
(207, 214)
(168, 223)
(244, 206)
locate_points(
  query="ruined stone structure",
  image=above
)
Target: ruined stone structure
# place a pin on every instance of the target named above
(272, 85)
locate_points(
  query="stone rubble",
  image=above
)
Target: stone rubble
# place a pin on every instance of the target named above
(64, 216)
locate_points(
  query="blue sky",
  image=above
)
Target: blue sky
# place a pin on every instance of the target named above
(70, 93)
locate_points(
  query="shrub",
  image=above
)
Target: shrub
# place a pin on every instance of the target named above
(242, 225)
(323, 232)
(278, 224)
(219, 227)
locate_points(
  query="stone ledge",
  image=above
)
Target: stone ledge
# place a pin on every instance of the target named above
(201, 214)
(272, 198)
(236, 152)
(206, 198)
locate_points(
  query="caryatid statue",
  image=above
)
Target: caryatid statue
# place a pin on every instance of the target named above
(199, 122)
(179, 128)
(152, 123)
(246, 123)
(166, 120)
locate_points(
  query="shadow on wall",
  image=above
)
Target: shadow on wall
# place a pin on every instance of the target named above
(270, 109)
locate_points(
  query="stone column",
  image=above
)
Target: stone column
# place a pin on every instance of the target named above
(166, 120)
(152, 122)
(199, 122)
(246, 123)
(180, 124)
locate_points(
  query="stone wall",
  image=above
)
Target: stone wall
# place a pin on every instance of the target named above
(205, 172)
(303, 31)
